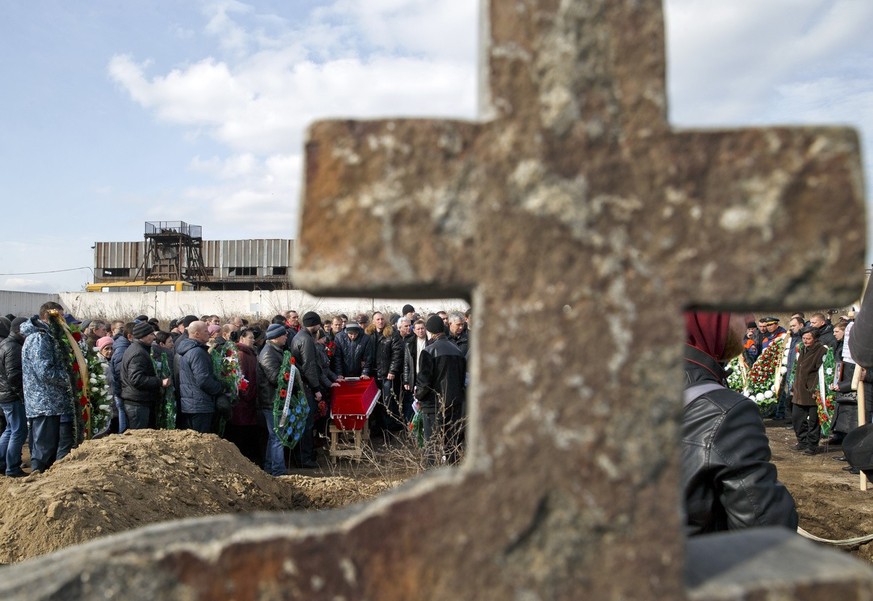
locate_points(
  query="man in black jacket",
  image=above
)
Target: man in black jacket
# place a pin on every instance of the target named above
(12, 401)
(269, 366)
(728, 480)
(388, 367)
(352, 360)
(440, 392)
(820, 322)
(306, 358)
(140, 384)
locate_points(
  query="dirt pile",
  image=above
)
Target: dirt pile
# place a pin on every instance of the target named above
(142, 477)
(829, 500)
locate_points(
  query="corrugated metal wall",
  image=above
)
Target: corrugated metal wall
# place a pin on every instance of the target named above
(24, 304)
(119, 255)
(219, 256)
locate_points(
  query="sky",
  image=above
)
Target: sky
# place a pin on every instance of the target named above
(113, 114)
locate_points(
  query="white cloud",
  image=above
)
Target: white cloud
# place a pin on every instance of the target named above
(272, 80)
(416, 26)
(231, 36)
(24, 284)
(728, 59)
(253, 197)
(742, 62)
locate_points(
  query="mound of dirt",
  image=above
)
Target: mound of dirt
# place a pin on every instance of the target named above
(146, 476)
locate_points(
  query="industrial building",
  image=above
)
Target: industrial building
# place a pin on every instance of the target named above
(175, 251)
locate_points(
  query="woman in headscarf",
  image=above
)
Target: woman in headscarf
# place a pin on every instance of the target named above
(727, 478)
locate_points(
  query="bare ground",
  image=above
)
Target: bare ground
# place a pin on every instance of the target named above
(123, 482)
(829, 500)
(141, 477)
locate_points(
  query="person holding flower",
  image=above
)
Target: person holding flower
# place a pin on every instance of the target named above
(246, 426)
(269, 365)
(48, 392)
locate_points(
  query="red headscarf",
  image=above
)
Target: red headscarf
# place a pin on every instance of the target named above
(707, 331)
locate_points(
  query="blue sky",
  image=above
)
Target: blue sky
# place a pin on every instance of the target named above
(113, 114)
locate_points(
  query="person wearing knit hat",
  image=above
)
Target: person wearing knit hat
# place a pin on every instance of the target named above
(440, 391)
(306, 358)
(407, 311)
(275, 330)
(352, 356)
(5, 325)
(141, 387)
(102, 343)
(435, 324)
(269, 366)
(751, 344)
(15, 328)
(12, 401)
(188, 320)
(311, 318)
(142, 330)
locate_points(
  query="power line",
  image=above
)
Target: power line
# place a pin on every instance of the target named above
(44, 272)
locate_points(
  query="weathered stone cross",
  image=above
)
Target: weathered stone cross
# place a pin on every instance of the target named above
(580, 225)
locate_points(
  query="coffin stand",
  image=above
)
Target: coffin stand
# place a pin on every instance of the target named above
(352, 404)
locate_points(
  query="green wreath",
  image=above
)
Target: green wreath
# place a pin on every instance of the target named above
(290, 407)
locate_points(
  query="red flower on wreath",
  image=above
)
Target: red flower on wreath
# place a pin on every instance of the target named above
(293, 361)
(283, 393)
(286, 376)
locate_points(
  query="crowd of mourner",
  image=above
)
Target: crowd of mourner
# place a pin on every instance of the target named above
(266, 386)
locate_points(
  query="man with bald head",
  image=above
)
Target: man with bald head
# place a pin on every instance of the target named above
(199, 387)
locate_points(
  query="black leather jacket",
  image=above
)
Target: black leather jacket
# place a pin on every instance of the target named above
(269, 365)
(306, 359)
(727, 478)
(389, 353)
(11, 381)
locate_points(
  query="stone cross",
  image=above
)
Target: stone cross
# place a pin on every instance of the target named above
(580, 225)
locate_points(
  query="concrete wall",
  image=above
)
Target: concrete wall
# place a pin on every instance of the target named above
(254, 304)
(24, 304)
